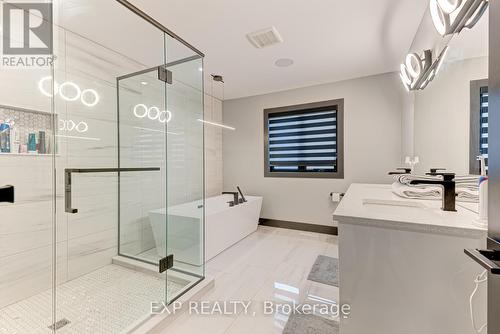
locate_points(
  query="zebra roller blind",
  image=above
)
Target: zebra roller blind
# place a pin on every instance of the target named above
(303, 141)
(484, 123)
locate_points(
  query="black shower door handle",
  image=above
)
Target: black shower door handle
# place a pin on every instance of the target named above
(69, 171)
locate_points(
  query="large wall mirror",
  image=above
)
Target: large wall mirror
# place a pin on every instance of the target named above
(450, 116)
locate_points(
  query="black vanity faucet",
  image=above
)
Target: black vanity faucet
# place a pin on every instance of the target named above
(448, 184)
(403, 171)
(235, 194)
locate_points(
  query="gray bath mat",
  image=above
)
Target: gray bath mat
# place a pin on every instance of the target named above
(310, 324)
(325, 270)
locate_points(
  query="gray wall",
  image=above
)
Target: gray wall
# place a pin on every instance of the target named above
(447, 101)
(373, 145)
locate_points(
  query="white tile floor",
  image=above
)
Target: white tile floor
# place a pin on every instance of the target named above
(269, 265)
(105, 301)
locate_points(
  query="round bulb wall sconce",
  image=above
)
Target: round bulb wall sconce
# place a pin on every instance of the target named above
(69, 91)
(418, 71)
(153, 113)
(452, 16)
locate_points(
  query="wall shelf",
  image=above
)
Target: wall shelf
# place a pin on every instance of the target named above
(26, 123)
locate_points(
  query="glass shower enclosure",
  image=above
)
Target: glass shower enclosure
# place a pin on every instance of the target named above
(101, 170)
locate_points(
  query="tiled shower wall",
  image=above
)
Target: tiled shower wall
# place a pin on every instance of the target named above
(88, 240)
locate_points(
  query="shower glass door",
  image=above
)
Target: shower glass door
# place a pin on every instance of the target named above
(160, 124)
(185, 169)
(104, 151)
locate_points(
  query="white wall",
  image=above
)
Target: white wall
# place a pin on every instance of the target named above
(442, 116)
(373, 145)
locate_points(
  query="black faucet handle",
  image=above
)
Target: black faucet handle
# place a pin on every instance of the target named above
(435, 170)
(405, 169)
(446, 176)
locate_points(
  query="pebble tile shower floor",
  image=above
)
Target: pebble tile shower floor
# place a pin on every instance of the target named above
(105, 301)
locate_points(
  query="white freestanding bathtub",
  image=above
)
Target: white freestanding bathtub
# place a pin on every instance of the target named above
(224, 226)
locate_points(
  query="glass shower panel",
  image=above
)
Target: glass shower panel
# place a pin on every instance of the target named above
(143, 121)
(97, 180)
(27, 222)
(185, 155)
(101, 292)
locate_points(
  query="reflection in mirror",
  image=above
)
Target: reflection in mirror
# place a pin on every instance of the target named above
(449, 117)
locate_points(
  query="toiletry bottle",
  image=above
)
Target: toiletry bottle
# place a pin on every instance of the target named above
(14, 138)
(5, 138)
(32, 143)
(483, 192)
(41, 143)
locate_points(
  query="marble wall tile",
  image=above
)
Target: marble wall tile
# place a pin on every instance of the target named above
(30, 272)
(91, 252)
(89, 239)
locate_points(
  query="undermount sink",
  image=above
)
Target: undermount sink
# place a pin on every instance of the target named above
(388, 202)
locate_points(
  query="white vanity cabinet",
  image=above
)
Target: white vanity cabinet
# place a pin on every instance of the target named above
(402, 264)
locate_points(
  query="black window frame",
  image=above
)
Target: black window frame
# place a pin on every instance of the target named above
(476, 91)
(338, 105)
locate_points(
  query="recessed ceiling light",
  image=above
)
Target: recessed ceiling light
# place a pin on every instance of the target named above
(144, 83)
(200, 69)
(284, 62)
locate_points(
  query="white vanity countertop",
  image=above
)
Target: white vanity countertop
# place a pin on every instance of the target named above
(357, 207)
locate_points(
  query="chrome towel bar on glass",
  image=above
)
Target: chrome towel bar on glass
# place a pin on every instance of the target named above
(69, 171)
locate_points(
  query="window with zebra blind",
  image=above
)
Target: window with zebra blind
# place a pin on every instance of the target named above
(304, 140)
(479, 124)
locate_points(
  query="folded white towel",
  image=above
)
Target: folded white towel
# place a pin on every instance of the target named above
(470, 182)
(432, 192)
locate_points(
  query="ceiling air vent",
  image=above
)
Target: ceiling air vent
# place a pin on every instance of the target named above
(265, 37)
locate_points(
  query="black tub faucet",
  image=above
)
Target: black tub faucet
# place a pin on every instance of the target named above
(242, 199)
(235, 194)
(448, 184)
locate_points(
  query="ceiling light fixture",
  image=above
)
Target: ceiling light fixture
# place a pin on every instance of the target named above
(452, 16)
(284, 62)
(418, 71)
(144, 83)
